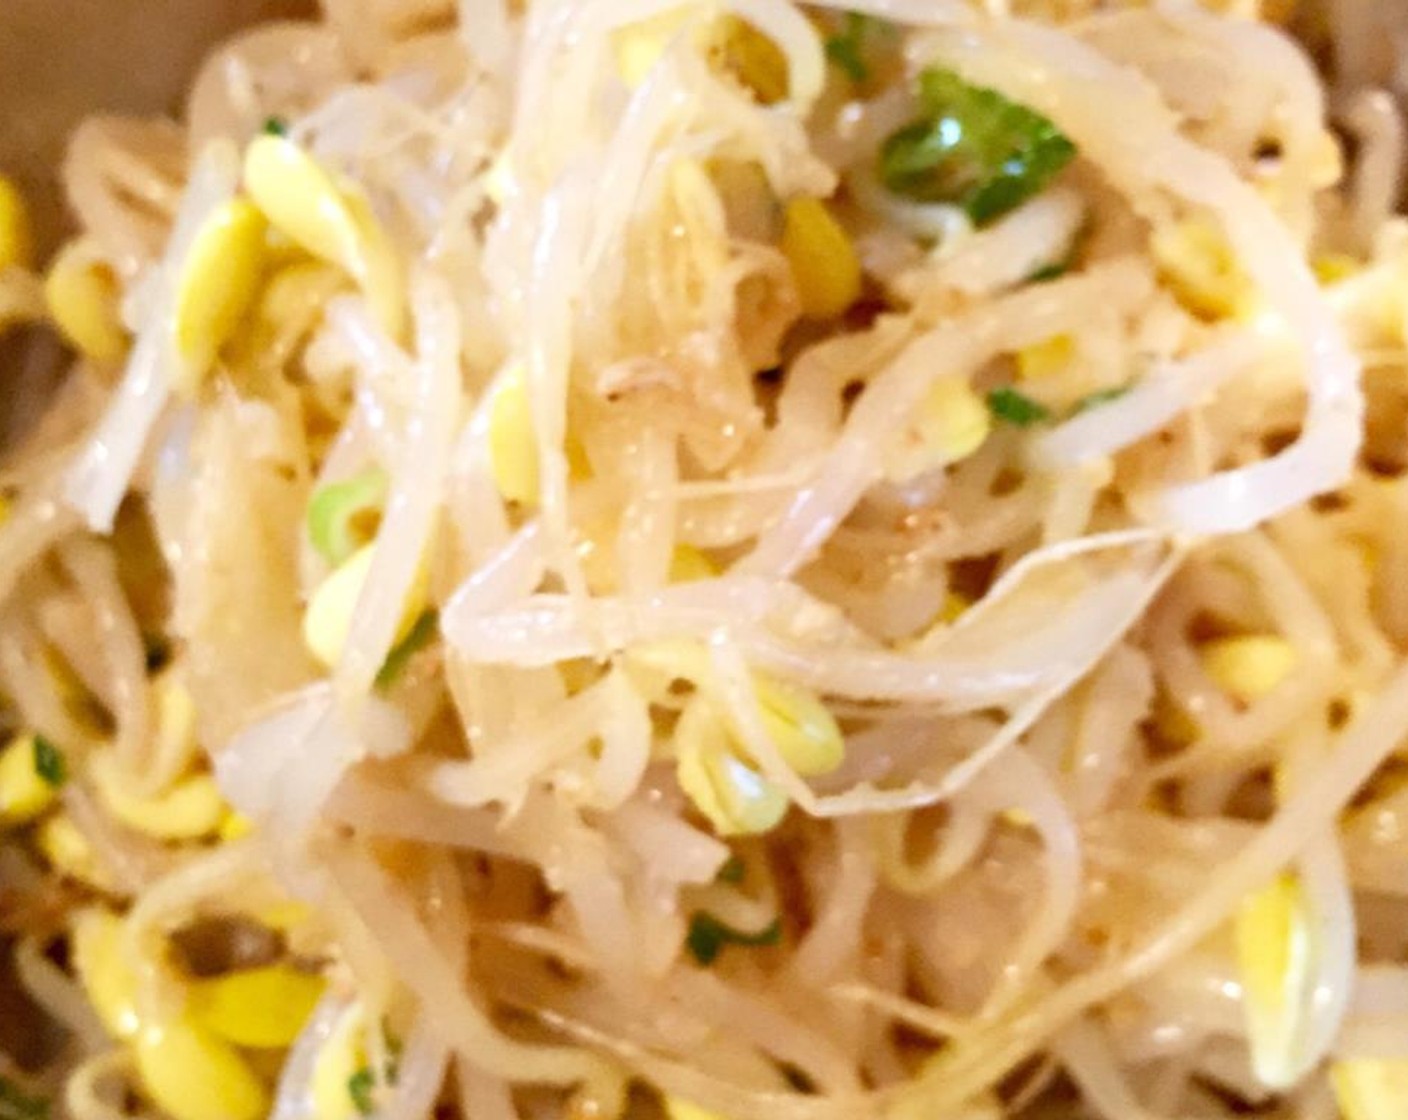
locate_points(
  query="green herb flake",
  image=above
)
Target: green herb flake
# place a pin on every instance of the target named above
(275, 126)
(15, 1104)
(360, 1087)
(845, 49)
(49, 762)
(708, 936)
(1099, 397)
(974, 148)
(422, 633)
(1013, 407)
(733, 870)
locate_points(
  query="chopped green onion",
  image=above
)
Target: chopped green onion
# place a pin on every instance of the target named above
(335, 510)
(1067, 261)
(275, 126)
(708, 936)
(1099, 397)
(1016, 408)
(359, 1087)
(974, 148)
(49, 762)
(845, 49)
(732, 871)
(1051, 271)
(394, 1048)
(18, 1105)
(422, 633)
(362, 1084)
